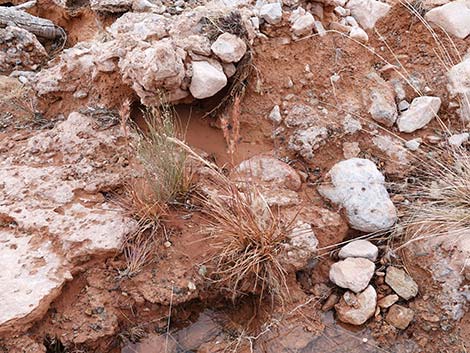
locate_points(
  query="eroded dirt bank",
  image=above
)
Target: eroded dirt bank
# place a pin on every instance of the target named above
(344, 116)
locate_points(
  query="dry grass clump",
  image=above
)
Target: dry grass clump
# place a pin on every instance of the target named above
(248, 238)
(439, 196)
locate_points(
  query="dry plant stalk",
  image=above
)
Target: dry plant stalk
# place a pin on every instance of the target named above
(247, 239)
(231, 128)
(440, 197)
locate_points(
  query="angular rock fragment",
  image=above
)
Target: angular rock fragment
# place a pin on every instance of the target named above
(271, 13)
(382, 101)
(113, 6)
(420, 113)
(388, 301)
(399, 316)
(352, 273)
(358, 186)
(401, 283)
(368, 12)
(459, 84)
(208, 79)
(301, 246)
(454, 17)
(306, 141)
(229, 48)
(357, 309)
(302, 22)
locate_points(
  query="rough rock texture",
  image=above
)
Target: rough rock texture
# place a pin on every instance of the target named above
(359, 248)
(454, 17)
(399, 316)
(111, 5)
(459, 84)
(352, 273)
(368, 12)
(420, 113)
(268, 169)
(271, 13)
(302, 245)
(54, 214)
(145, 53)
(357, 309)
(306, 141)
(229, 48)
(358, 186)
(382, 108)
(302, 22)
(401, 283)
(458, 139)
(388, 301)
(19, 50)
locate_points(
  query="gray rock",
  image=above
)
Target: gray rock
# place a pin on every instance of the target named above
(359, 248)
(207, 79)
(401, 283)
(357, 309)
(306, 141)
(454, 17)
(229, 48)
(399, 316)
(358, 186)
(414, 144)
(352, 273)
(368, 12)
(403, 105)
(388, 301)
(458, 139)
(351, 125)
(271, 13)
(420, 113)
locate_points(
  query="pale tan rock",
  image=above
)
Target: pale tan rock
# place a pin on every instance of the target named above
(352, 273)
(454, 17)
(368, 12)
(229, 48)
(388, 301)
(401, 282)
(399, 316)
(357, 309)
(207, 79)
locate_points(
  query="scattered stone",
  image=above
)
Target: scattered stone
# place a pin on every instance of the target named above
(420, 113)
(341, 11)
(351, 149)
(343, 28)
(359, 248)
(302, 22)
(458, 139)
(357, 309)
(413, 145)
(229, 69)
(275, 115)
(112, 6)
(271, 13)
(352, 273)
(382, 97)
(403, 105)
(399, 316)
(388, 301)
(459, 84)
(318, 26)
(351, 125)
(302, 245)
(330, 302)
(351, 21)
(401, 283)
(207, 79)
(453, 17)
(368, 12)
(358, 186)
(392, 147)
(268, 169)
(306, 141)
(229, 48)
(359, 34)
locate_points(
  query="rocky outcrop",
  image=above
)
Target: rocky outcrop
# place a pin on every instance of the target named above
(52, 214)
(358, 186)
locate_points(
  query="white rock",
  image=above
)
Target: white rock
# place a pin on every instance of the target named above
(271, 13)
(459, 139)
(275, 115)
(403, 105)
(352, 273)
(368, 12)
(359, 34)
(351, 21)
(420, 113)
(459, 84)
(413, 144)
(357, 309)
(229, 48)
(351, 125)
(341, 11)
(318, 26)
(306, 141)
(359, 248)
(207, 80)
(454, 17)
(358, 186)
(382, 108)
(302, 22)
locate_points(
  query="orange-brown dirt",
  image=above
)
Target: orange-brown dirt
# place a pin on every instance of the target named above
(102, 310)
